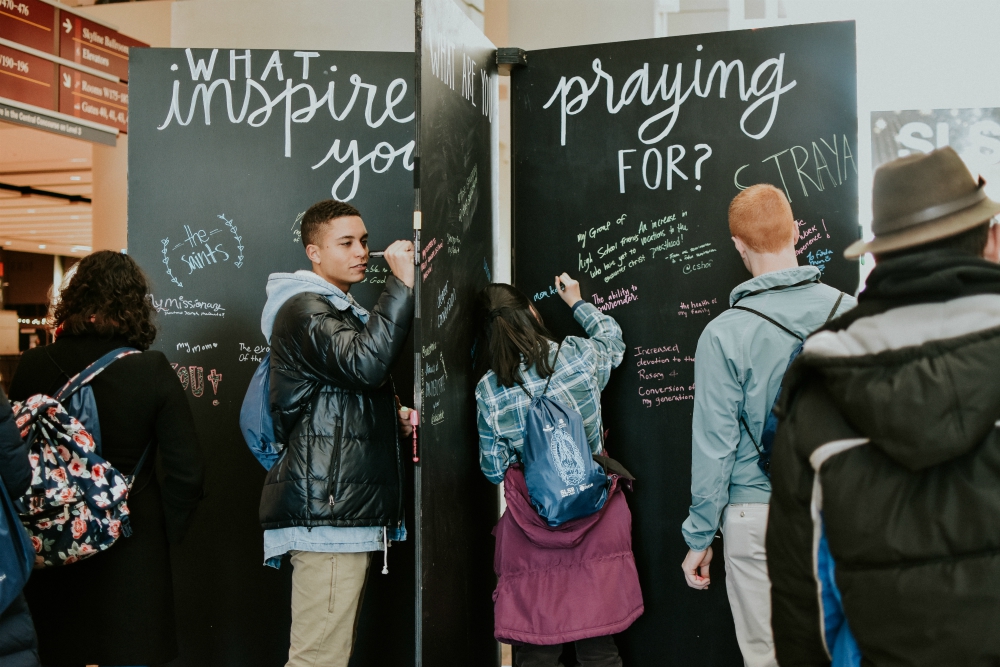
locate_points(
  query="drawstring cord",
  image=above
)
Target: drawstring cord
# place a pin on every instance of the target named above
(385, 551)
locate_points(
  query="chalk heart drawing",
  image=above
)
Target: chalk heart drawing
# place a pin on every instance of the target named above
(566, 457)
(202, 248)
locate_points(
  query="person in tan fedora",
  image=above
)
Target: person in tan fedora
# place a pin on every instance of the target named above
(884, 534)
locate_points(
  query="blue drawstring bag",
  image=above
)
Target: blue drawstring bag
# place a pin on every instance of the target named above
(564, 482)
(256, 422)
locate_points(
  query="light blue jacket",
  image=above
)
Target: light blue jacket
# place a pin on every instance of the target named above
(738, 367)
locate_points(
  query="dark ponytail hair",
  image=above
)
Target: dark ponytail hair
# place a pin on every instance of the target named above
(510, 332)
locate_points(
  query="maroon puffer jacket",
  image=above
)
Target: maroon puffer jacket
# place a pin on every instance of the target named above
(562, 584)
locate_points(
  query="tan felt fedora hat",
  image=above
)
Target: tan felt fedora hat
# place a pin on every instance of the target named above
(923, 198)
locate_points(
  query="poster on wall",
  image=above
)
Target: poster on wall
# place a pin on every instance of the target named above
(228, 148)
(459, 153)
(625, 159)
(973, 133)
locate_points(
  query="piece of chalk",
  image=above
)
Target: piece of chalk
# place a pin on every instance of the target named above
(377, 253)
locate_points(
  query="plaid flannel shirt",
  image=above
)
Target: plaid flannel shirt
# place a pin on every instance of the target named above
(582, 371)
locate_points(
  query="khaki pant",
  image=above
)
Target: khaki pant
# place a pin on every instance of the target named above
(326, 598)
(743, 528)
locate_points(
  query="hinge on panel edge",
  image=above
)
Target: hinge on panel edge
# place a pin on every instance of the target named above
(509, 57)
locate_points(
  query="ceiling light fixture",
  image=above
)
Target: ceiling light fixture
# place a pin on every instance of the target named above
(75, 178)
(41, 247)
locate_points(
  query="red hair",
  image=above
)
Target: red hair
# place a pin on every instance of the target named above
(761, 217)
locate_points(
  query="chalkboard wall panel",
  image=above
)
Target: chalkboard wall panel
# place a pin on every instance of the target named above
(458, 141)
(216, 189)
(626, 157)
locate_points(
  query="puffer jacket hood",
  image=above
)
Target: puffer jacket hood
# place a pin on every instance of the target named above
(918, 380)
(283, 286)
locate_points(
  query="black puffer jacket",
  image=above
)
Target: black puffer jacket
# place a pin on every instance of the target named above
(897, 405)
(335, 410)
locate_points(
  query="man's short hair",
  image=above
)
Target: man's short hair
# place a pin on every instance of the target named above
(321, 213)
(970, 242)
(761, 217)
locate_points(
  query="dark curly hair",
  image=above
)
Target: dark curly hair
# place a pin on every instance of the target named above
(108, 296)
(321, 213)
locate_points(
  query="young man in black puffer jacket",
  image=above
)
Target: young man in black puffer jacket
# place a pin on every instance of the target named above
(884, 535)
(336, 493)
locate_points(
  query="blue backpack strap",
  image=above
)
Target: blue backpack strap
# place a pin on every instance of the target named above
(126, 523)
(138, 466)
(91, 371)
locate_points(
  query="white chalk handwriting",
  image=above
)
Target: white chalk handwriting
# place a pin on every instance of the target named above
(183, 306)
(840, 153)
(189, 348)
(295, 103)
(766, 86)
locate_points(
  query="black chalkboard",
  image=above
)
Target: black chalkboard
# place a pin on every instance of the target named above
(224, 156)
(626, 157)
(457, 196)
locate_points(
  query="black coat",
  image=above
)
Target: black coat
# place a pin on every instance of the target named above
(18, 647)
(335, 410)
(908, 402)
(139, 400)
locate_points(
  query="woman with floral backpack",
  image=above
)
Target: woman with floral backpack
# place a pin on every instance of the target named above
(140, 402)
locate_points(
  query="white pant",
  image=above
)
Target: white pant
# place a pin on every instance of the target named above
(743, 528)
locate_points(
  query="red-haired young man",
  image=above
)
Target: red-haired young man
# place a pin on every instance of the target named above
(740, 361)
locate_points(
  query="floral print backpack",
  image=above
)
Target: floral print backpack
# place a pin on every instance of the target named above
(76, 505)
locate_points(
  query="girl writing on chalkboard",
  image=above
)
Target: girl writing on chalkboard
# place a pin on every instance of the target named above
(576, 582)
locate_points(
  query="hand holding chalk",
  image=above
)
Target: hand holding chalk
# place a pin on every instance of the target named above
(399, 256)
(569, 289)
(405, 419)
